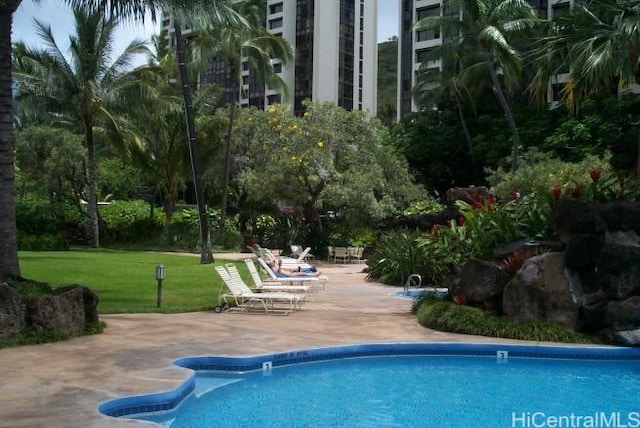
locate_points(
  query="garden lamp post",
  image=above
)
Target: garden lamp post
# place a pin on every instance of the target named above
(159, 278)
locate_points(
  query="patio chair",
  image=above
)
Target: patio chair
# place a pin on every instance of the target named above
(330, 253)
(341, 254)
(354, 254)
(245, 300)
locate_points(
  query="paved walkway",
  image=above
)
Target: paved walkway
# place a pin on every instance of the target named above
(61, 384)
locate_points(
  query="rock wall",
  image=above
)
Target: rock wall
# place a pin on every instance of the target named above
(594, 285)
(67, 310)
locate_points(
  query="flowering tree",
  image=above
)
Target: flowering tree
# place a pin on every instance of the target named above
(328, 158)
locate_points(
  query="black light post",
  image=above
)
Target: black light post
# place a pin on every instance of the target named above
(159, 277)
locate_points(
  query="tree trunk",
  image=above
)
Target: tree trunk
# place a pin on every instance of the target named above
(227, 170)
(508, 114)
(168, 204)
(92, 195)
(637, 169)
(206, 255)
(9, 266)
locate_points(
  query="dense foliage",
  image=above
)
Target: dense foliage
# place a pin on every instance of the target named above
(446, 316)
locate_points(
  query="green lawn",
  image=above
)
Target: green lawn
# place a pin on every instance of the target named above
(125, 280)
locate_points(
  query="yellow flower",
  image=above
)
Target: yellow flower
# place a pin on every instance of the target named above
(306, 114)
(320, 144)
(293, 158)
(272, 110)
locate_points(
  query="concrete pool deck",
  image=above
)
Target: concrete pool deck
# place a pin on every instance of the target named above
(61, 384)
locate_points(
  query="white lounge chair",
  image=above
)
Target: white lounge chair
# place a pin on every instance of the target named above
(273, 286)
(287, 262)
(276, 289)
(301, 255)
(318, 281)
(246, 300)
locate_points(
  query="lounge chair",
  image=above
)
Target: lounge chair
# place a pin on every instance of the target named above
(275, 289)
(273, 286)
(287, 262)
(246, 300)
(318, 281)
(301, 255)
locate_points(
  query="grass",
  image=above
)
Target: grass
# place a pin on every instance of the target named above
(125, 280)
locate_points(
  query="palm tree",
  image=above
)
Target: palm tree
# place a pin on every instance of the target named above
(598, 42)
(451, 81)
(154, 132)
(487, 28)
(195, 12)
(235, 45)
(84, 88)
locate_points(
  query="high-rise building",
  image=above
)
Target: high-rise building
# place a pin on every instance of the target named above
(336, 55)
(413, 46)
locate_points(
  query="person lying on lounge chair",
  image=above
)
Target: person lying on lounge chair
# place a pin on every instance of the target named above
(283, 272)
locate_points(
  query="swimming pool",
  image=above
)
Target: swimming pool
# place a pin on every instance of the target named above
(414, 293)
(402, 384)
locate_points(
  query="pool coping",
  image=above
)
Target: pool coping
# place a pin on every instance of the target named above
(171, 399)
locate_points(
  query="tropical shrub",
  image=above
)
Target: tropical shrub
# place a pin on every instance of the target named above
(184, 231)
(424, 206)
(397, 255)
(489, 224)
(447, 316)
(130, 221)
(610, 186)
(46, 242)
(445, 248)
(34, 216)
(538, 173)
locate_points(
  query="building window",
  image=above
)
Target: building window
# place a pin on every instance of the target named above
(560, 9)
(422, 55)
(275, 23)
(556, 91)
(274, 99)
(540, 6)
(425, 12)
(277, 67)
(275, 8)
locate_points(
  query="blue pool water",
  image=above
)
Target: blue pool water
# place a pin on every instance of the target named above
(400, 385)
(414, 293)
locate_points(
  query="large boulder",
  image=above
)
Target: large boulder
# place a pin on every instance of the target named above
(618, 271)
(480, 281)
(466, 194)
(541, 290)
(582, 251)
(12, 312)
(61, 313)
(622, 337)
(90, 300)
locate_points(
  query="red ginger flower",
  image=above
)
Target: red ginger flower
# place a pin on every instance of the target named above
(595, 175)
(575, 192)
(556, 192)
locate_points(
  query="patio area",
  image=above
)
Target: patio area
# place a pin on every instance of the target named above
(61, 384)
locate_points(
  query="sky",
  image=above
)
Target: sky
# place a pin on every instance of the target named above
(59, 17)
